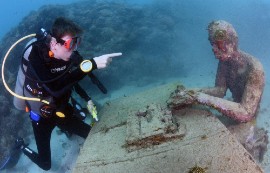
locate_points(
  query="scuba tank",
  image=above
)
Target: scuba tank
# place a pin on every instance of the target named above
(42, 35)
(17, 102)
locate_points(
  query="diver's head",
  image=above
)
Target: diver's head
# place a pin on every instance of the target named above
(223, 38)
(63, 26)
(66, 38)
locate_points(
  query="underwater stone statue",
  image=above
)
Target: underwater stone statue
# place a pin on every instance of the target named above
(243, 75)
(237, 71)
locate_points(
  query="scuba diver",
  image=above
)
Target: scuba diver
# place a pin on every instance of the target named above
(54, 68)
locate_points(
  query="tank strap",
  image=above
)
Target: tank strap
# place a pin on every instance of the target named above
(28, 107)
(25, 62)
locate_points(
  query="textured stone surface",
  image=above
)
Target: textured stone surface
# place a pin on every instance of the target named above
(154, 126)
(205, 141)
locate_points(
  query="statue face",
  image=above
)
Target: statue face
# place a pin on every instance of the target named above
(223, 51)
(222, 47)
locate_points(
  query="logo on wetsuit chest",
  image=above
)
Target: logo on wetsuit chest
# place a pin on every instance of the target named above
(35, 92)
(56, 70)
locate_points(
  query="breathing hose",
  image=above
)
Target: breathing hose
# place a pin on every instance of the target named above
(3, 76)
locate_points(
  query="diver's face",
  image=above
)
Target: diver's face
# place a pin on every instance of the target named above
(60, 51)
(223, 50)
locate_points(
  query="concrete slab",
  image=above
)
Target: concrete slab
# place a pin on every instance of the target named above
(139, 134)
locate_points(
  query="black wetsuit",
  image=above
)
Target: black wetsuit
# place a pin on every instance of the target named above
(42, 67)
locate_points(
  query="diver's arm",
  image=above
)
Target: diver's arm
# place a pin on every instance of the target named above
(79, 73)
(84, 67)
(95, 63)
(82, 93)
(41, 72)
(90, 105)
(104, 60)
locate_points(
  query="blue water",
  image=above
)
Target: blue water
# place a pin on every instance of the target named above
(13, 11)
(250, 18)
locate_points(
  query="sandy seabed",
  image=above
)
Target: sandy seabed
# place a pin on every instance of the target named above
(65, 150)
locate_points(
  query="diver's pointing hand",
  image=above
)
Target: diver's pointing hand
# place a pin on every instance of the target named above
(104, 60)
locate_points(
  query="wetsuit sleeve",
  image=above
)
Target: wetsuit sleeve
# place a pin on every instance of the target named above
(76, 58)
(82, 92)
(40, 69)
(77, 74)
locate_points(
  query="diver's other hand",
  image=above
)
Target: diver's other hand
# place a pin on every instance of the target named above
(90, 106)
(104, 60)
(92, 109)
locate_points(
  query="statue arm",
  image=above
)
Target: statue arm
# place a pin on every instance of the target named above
(226, 107)
(246, 109)
(254, 88)
(214, 91)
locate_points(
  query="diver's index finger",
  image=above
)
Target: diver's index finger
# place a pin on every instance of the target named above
(114, 54)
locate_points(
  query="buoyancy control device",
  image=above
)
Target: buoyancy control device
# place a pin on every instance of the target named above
(17, 102)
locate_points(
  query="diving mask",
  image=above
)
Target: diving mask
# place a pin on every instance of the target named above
(71, 43)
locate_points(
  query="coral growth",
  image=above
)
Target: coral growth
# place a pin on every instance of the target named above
(151, 126)
(254, 139)
(256, 143)
(197, 169)
(181, 98)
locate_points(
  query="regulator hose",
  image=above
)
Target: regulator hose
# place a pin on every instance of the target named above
(3, 76)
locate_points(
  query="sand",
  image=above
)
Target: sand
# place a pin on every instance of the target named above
(65, 150)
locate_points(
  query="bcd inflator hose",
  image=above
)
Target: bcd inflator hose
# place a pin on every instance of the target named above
(3, 76)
